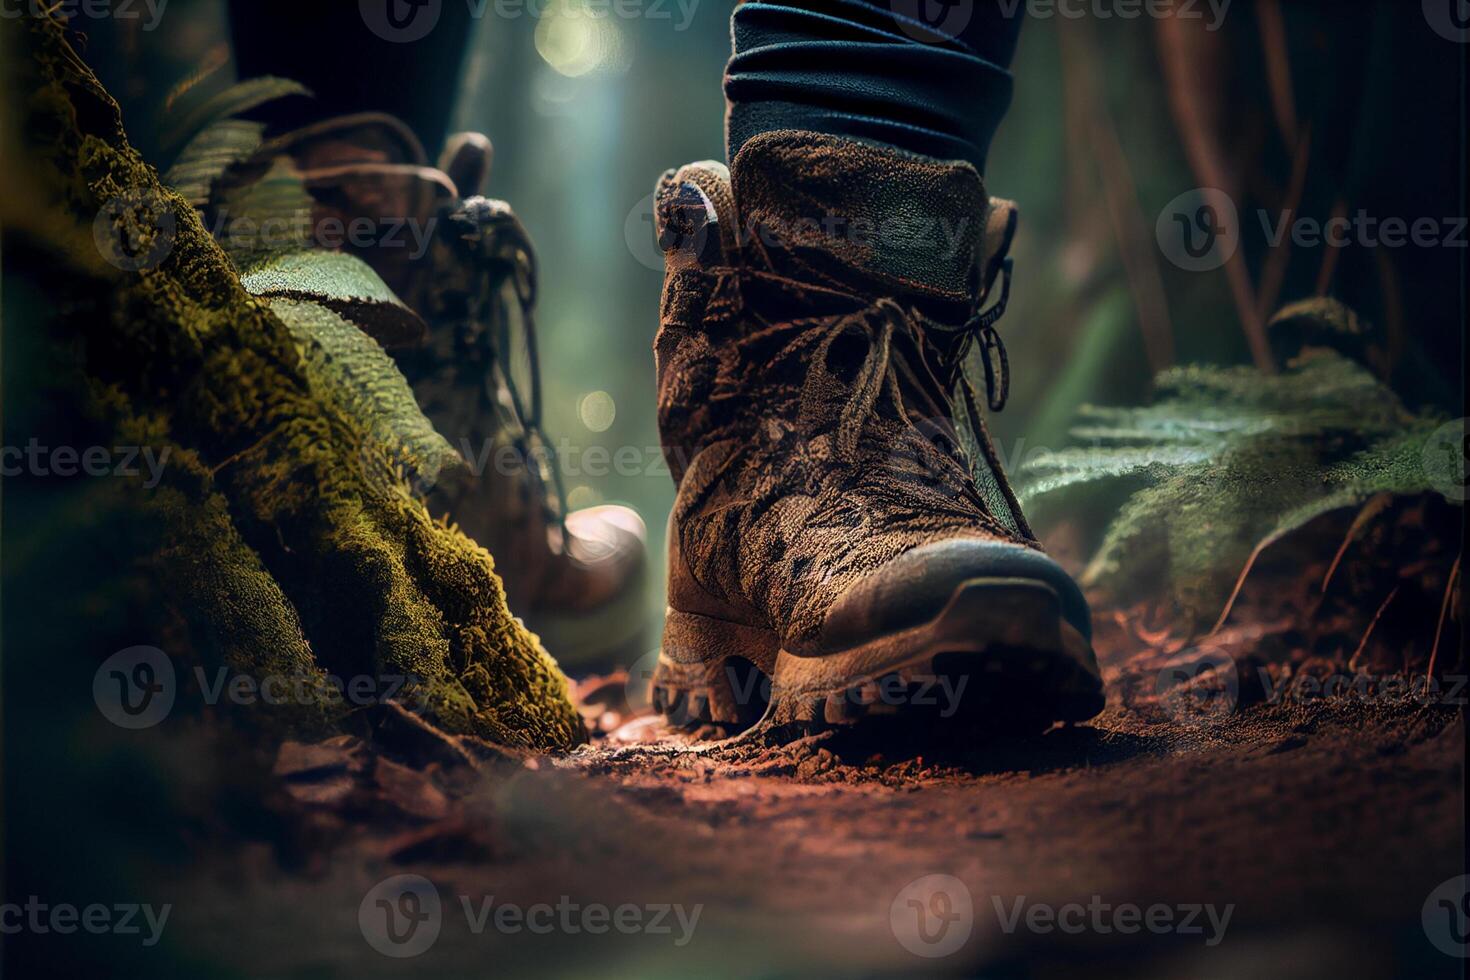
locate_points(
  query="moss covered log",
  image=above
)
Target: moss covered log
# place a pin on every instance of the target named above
(295, 558)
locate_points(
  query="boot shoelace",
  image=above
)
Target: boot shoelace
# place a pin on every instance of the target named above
(982, 325)
(504, 255)
(882, 321)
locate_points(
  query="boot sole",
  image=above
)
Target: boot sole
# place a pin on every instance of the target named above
(999, 654)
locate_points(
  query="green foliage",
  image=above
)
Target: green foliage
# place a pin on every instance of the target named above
(209, 154)
(1224, 459)
(328, 299)
(215, 139)
(365, 383)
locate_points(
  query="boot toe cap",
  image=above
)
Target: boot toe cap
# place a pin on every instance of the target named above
(915, 587)
(606, 536)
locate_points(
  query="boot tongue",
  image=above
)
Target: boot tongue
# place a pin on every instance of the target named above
(879, 219)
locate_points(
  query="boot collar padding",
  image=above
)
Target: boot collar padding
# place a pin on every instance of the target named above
(915, 223)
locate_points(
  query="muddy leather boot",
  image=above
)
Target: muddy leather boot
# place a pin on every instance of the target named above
(835, 553)
(445, 280)
(578, 576)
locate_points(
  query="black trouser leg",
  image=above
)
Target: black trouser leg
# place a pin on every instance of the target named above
(874, 69)
(329, 46)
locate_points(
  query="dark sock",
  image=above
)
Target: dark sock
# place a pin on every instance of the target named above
(861, 68)
(327, 46)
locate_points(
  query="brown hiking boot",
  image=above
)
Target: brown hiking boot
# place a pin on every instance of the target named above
(578, 576)
(828, 530)
(445, 280)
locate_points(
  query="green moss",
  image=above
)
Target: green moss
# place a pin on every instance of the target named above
(271, 490)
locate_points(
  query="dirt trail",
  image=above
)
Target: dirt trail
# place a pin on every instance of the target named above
(1294, 838)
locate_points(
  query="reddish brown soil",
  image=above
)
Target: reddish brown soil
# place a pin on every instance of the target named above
(1324, 822)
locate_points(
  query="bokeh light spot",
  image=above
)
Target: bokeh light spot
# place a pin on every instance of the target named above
(597, 410)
